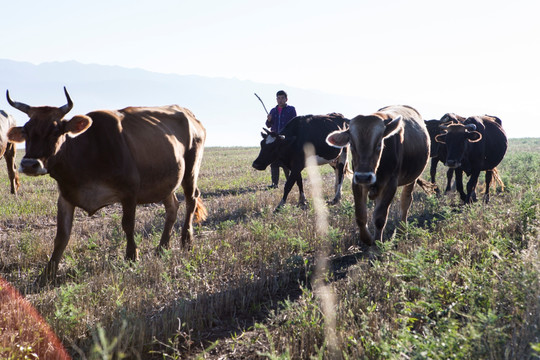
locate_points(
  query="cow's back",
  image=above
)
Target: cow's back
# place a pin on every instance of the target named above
(416, 142)
(159, 139)
(314, 129)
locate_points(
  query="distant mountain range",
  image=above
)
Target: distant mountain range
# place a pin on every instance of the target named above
(231, 113)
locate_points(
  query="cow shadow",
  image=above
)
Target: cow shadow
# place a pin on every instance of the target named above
(232, 311)
(224, 192)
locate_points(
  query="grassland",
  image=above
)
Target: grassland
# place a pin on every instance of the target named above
(463, 282)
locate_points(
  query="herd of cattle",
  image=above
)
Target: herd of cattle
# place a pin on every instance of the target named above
(141, 155)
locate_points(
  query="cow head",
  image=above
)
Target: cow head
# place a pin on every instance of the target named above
(44, 133)
(366, 135)
(456, 137)
(451, 118)
(272, 144)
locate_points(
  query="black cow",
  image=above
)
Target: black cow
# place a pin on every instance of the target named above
(288, 147)
(438, 150)
(478, 144)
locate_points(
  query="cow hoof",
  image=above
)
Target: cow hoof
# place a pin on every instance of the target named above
(160, 250)
(373, 254)
(333, 202)
(302, 205)
(132, 255)
(186, 244)
(43, 280)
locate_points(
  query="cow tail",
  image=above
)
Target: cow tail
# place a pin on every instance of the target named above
(498, 178)
(428, 187)
(347, 171)
(200, 211)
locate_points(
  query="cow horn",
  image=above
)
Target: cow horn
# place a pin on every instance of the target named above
(17, 105)
(267, 131)
(66, 108)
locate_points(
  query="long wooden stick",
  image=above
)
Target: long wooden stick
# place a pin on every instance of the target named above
(261, 103)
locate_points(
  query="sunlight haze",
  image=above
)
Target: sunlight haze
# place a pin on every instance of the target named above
(468, 57)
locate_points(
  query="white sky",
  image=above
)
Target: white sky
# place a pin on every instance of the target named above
(470, 57)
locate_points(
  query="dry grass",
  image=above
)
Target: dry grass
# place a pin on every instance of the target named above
(463, 281)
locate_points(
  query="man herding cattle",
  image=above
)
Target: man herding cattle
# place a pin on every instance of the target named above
(287, 147)
(389, 148)
(132, 156)
(276, 121)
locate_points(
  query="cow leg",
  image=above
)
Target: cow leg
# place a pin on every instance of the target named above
(406, 201)
(471, 187)
(64, 223)
(286, 171)
(301, 196)
(489, 177)
(339, 171)
(11, 168)
(171, 204)
(449, 175)
(293, 176)
(433, 172)
(194, 206)
(129, 207)
(459, 184)
(360, 211)
(433, 169)
(187, 229)
(380, 213)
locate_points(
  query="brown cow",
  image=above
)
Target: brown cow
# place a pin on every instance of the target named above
(8, 150)
(389, 148)
(132, 156)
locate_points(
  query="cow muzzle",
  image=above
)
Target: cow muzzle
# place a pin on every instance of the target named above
(258, 166)
(364, 178)
(453, 164)
(32, 167)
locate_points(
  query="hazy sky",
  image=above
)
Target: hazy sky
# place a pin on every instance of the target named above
(469, 57)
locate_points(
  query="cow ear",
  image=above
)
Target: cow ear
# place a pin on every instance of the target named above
(392, 126)
(338, 139)
(474, 136)
(441, 138)
(16, 135)
(78, 124)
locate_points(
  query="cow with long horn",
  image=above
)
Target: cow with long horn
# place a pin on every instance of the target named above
(32, 162)
(136, 155)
